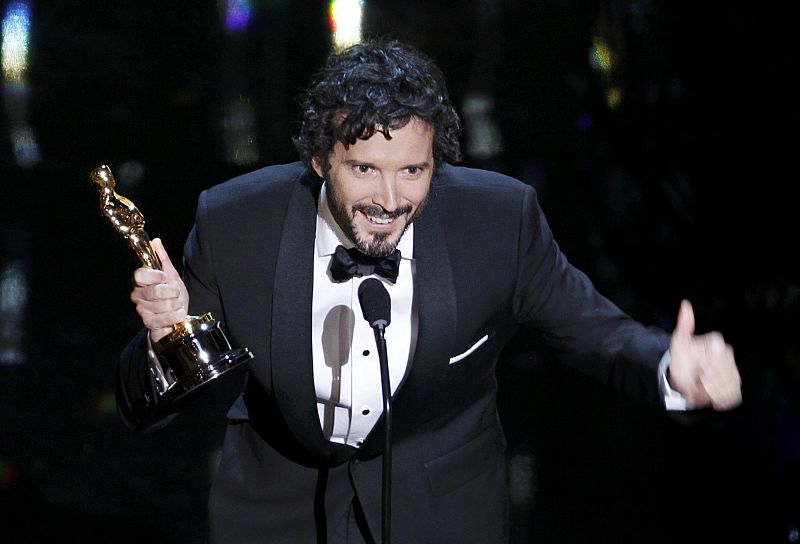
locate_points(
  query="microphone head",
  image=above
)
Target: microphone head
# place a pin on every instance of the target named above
(376, 304)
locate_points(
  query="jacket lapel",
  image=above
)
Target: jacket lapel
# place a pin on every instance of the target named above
(434, 291)
(291, 351)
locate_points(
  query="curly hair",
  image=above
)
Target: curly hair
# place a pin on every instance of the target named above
(371, 87)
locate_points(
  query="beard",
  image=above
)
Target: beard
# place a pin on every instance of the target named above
(378, 244)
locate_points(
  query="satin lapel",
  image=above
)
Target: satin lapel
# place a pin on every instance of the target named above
(292, 363)
(434, 291)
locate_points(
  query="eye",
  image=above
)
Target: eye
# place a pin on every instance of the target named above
(414, 171)
(361, 169)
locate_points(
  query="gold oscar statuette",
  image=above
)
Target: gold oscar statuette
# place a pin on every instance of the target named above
(197, 350)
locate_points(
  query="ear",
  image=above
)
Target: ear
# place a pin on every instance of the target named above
(317, 167)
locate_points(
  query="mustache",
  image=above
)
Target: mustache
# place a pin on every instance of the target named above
(377, 211)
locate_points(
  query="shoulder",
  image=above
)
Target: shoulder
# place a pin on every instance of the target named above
(268, 183)
(258, 199)
(458, 184)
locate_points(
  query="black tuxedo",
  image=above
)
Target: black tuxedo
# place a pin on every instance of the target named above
(486, 264)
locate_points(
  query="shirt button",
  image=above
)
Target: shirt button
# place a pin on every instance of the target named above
(365, 411)
(365, 352)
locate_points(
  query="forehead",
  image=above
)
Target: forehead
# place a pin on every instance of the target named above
(410, 144)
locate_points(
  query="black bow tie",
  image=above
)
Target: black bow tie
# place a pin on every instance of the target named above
(347, 263)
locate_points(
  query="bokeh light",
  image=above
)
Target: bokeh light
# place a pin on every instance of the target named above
(237, 15)
(345, 21)
(106, 405)
(614, 97)
(601, 57)
(13, 302)
(16, 37)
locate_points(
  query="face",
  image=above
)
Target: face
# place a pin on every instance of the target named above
(376, 187)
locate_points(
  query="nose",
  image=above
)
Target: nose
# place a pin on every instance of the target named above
(385, 194)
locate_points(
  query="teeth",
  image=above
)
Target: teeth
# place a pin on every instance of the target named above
(379, 220)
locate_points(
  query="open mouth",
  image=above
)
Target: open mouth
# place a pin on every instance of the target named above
(379, 220)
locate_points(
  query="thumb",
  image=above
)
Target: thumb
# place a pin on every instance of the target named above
(684, 326)
(166, 263)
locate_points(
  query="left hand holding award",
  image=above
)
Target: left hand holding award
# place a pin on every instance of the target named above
(160, 296)
(191, 351)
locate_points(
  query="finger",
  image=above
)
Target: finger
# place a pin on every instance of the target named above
(147, 276)
(158, 334)
(159, 306)
(684, 326)
(164, 320)
(722, 381)
(718, 360)
(157, 292)
(720, 384)
(166, 263)
(713, 349)
(726, 400)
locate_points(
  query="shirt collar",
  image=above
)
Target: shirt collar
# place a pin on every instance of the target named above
(329, 235)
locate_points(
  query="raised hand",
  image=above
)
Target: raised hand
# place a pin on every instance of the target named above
(702, 368)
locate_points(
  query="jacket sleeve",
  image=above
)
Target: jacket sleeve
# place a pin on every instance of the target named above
(585, 329)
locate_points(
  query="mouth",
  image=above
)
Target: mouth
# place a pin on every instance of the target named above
(380, 220)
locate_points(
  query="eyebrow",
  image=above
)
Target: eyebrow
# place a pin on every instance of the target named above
(353, 162)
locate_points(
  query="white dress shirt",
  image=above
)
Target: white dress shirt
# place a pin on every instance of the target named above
(346, 368)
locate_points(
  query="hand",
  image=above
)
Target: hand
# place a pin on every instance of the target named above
(702, 368)
(160, 296)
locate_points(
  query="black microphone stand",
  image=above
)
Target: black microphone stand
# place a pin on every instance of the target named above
(386, 390)
(376, 305)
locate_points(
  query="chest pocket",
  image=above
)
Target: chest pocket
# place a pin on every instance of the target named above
(470, 351)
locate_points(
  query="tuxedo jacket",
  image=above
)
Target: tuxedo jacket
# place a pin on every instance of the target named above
(486, 266)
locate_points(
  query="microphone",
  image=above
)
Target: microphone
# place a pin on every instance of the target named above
(375, 303)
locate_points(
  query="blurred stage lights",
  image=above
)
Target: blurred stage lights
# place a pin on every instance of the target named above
(237, 14)
(26, 150)
(601, 57)
(106, 405)
(344, 17)
(14, 52)
(16, 36)
(614, 97)
(13, 302)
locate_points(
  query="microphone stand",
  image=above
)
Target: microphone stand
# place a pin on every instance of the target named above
(386, 502)
(376, 305)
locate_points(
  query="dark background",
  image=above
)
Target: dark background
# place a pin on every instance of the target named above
(684, 188)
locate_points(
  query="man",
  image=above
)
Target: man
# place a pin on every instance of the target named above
(474, 261)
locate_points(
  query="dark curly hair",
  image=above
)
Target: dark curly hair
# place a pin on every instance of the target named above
(375, 86)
